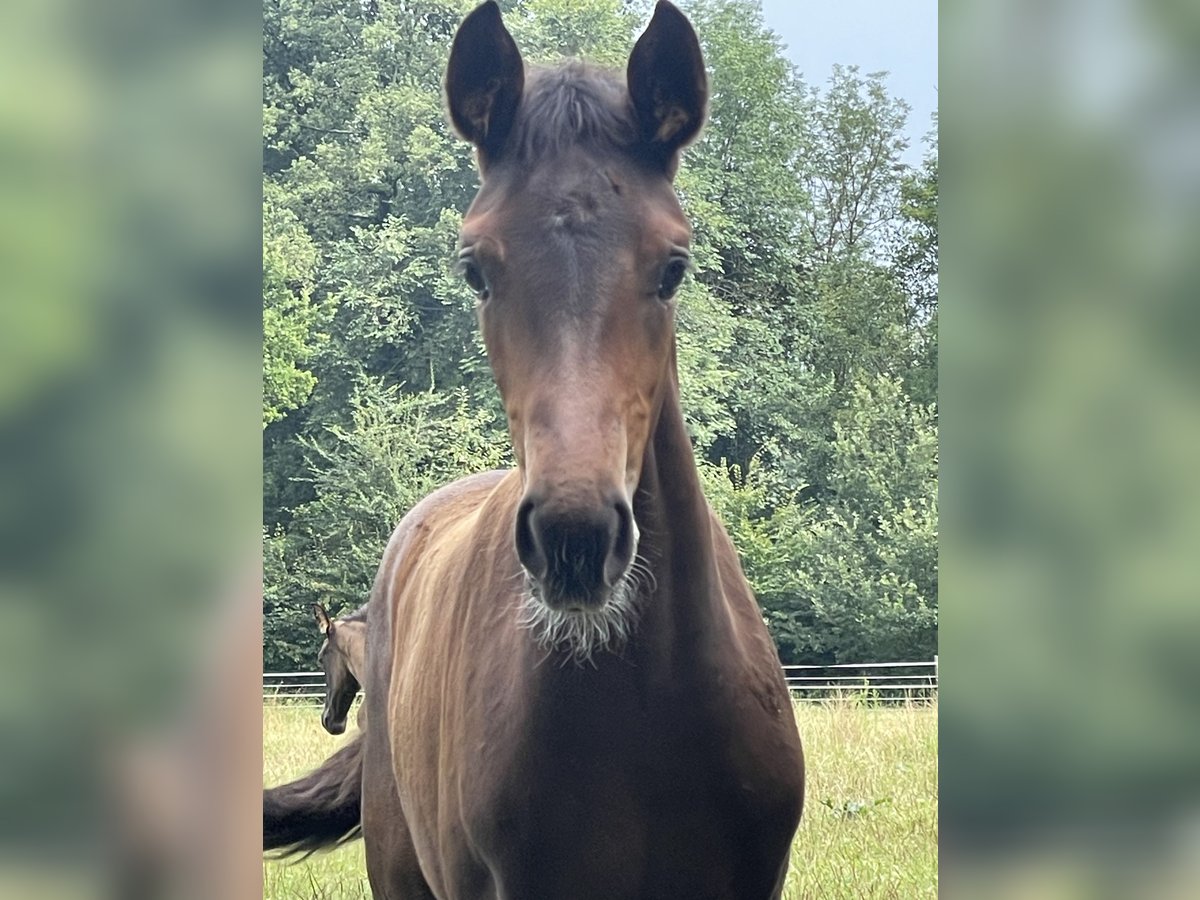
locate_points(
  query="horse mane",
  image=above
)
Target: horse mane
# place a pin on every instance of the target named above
(359, 615)
(573, 103)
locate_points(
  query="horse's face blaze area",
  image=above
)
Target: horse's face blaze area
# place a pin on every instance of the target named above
(570, 261)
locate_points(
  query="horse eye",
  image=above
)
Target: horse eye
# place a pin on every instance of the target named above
(474, 278)
(672, 276)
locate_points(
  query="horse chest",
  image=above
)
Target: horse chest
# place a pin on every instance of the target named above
(642, 805)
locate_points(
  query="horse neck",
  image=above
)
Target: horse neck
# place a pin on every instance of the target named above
(683, 612)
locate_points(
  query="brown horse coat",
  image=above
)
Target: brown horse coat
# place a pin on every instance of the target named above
(671, 769)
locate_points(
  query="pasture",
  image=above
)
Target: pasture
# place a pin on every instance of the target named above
(869, 830)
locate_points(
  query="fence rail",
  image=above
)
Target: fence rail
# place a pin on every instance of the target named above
(887, 682)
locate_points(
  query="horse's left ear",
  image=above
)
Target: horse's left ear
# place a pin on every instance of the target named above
(667, 82)
(484, 81)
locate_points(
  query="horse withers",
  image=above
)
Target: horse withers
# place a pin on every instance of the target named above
(570, 689)
(342, 659)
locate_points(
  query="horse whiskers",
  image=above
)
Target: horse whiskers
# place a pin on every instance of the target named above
(640, 571)
(583, 633)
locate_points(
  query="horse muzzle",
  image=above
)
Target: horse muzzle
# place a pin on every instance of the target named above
(575, 554)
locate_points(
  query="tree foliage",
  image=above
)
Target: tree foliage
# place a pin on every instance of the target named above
(290, 317)
(807, 337)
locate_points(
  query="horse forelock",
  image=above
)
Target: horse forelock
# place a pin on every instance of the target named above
(573, 104)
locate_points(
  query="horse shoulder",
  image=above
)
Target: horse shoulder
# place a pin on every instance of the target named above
(761, 699)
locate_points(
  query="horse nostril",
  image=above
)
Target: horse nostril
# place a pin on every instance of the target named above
(623, 546)
(529, 549)
(575, 553)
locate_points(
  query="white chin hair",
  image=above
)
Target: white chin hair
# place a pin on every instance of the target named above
(581, 634)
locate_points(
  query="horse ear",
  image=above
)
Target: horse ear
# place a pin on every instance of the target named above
(323, 623)
(667, 82)
(484, 80)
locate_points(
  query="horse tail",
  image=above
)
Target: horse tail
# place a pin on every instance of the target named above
(321, 810)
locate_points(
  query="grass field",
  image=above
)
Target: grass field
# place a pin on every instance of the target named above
(870, 823)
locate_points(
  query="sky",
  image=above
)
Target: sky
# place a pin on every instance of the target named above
(895, 36)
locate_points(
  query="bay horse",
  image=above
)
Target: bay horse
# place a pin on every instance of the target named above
(342, 659)
(571, 692)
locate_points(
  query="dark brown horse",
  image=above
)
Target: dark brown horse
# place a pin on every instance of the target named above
(570, 690)
(342, 658)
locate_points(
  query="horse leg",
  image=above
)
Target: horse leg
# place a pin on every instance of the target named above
(392, 866)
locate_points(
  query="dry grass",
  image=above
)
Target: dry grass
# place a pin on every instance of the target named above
(870, 818)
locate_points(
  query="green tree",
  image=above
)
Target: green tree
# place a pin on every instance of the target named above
(853, 578)
(916, 263)
(398, 447)
(807, 336)
(290, 317)
(741, 189)
(851, 162)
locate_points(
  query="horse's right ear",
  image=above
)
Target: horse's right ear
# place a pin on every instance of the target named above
(323, 623)
(484, 81)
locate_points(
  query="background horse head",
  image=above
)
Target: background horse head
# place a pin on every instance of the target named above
(341, 658)
(575, 246)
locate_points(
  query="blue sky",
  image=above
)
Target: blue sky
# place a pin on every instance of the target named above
(896, 36)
